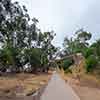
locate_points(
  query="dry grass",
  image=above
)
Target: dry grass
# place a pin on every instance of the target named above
(21, 84)
(87, 87)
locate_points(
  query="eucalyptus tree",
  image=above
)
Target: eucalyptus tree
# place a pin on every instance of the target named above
(79, 43)
(13, 27)
(21, 40)
(47, 44)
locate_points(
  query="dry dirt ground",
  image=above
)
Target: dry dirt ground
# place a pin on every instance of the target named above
(21, 84)
(88, 88)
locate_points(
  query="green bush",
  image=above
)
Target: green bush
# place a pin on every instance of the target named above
(91, 62)
(67, 63)
(88, 52)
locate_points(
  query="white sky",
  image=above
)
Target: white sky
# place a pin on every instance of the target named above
(65, 16)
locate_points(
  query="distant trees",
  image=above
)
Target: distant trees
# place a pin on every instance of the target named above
(21, 41)
(77, 43)
(80, 44)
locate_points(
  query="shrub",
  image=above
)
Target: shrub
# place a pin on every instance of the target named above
(91, 62)
(67, 63)
(88, 52)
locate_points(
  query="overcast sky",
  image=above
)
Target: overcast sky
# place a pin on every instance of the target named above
(65, 16)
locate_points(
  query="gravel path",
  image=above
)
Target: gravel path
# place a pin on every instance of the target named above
(58, 90)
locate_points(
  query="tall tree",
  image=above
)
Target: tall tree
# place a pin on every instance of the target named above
(78, 43)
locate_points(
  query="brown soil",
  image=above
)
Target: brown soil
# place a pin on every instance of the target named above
(87, 93)
(17, 98)
(21, 85)
(87, 87)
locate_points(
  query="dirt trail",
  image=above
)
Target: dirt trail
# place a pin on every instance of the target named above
(57, 89)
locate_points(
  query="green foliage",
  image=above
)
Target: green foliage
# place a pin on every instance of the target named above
(67, 63)
(35, 57)
(21, 41)
(80, 44)
(96, 47)
(77, 44)
(83, 36)
(91, 63)
(88, 52)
